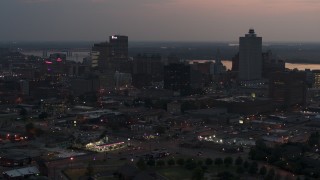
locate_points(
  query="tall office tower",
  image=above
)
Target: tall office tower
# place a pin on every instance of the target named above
(119, 47)
(100, 54)
(250, 57)
(111, 56)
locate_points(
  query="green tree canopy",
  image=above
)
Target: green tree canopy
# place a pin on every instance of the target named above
(263, 170)
(218, 161)
(253, 168)
(197, 174)
(208, 161)
(171, 162)
(239, 161)
(228, 161)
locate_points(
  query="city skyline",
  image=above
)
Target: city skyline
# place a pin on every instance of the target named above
(159, 89)
(170, 20)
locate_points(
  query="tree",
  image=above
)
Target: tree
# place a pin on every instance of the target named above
(171, 162)
(208, 161)
(263, 170)
(270, 175)
(226, 175)
(180, 162)
(253, 168)
(260, 151)
(228, 161)
(200, 162)
(190, 164)
(239, 161)
(240, 170)
(218, 161)
(197, 174)
(141, 164)
(160, 163)
(252, 153)
(246, 164)
(151, 162)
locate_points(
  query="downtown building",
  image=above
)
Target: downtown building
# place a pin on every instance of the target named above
(109, 58)
(119, 47)
(250, 57)
(147, 70)
(287, 89)
(183, 79)
(109, 55)
(100, 55)
(177, 78)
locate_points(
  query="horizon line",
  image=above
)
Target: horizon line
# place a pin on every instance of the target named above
(149, 41)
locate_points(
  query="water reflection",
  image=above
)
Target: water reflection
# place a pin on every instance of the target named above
(299, 66)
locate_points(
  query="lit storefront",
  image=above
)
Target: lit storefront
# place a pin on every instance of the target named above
(103, 147)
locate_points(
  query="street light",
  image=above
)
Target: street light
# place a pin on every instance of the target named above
(71, 159)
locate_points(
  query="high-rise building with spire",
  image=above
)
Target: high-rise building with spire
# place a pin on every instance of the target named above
(250, 57)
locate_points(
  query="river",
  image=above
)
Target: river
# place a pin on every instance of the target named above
(299, 66)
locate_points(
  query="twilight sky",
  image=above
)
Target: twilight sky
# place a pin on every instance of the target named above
(168, 20)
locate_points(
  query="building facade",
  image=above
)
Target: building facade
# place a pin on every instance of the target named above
(250, 57)
(177, 78)
(119, 47)
(288, 88)
(100, 55)
(147, 69)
